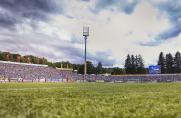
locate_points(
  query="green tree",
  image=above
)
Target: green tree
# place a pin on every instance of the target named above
(140, 65)
(169, 63)
(161, 62)
(81, 69)
(99, 69)
(90, 68)
(128, 64)
(50, 64)
(117, 71)
(133, 64)
(107, 70)
(177, 62)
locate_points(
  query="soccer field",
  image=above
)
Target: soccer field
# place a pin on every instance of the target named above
(90, 100)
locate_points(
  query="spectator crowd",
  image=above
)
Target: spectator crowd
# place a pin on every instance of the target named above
(21, 72)
(30, 72)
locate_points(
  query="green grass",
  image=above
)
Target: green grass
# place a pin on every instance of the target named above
(90, 100)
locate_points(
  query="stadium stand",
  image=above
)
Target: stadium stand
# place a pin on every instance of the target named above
(134, 78)
(23, 72)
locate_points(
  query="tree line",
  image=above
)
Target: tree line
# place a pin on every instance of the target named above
(7, 56)
(13, 57)
(98, 69)
(169, 63)
(91, 69)
(134, 64)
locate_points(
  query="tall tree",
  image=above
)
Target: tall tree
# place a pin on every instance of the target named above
(128, 64)
(90, 68)
(140, 65)
(169, 63)
(133, 64)
(177, 62)
(80, 68)
(99, 69)
(136, 62)
(161, 62)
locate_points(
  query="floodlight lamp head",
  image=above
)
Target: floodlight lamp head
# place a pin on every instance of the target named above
(86, 31)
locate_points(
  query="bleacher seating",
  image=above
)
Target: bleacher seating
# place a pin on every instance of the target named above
(29, 72)
(23, 72)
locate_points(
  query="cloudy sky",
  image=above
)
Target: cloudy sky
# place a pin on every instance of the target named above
(53, 29)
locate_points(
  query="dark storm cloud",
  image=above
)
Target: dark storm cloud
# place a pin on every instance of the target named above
(13, 12)
(76, 55)
(50, 48)
(173, 12)
(7, 20)
(119, 5)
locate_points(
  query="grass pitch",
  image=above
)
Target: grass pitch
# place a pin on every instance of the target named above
(90, 100)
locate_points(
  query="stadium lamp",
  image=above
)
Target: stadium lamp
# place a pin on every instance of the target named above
(85, 31)
(85, 34)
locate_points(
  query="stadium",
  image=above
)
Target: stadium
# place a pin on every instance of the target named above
(90, 59)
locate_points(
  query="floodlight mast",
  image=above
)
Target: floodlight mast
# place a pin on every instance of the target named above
(85, 34)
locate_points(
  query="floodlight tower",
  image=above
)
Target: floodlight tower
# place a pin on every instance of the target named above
(85, 34)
